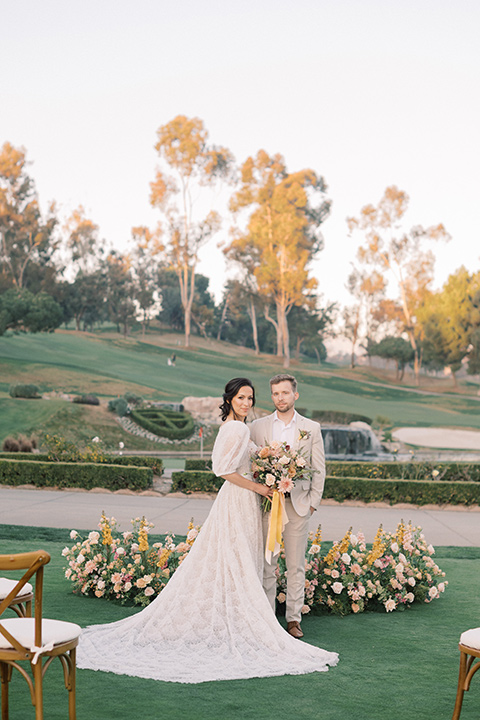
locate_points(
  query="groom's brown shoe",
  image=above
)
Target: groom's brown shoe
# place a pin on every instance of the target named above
(294, 629)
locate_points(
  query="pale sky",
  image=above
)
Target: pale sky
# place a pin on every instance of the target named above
(368, 93)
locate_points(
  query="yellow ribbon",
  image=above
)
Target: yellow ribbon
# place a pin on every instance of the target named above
(278, 520)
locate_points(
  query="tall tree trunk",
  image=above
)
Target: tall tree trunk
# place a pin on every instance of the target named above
(253, 318)
(278, 330)
(222, 319)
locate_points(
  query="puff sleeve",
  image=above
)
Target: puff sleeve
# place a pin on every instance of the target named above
(230, 447)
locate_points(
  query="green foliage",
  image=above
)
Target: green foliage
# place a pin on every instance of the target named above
(195, 481)
(74, 475)
(198, 464)
(22, 310)
(119, 406)
(164, 423)
(24, 391)
(444, 471)
(60, 449)
(133, 399)
(416, 492)
(336, 416)
(154, 463)
(86, 399)
(393, 348)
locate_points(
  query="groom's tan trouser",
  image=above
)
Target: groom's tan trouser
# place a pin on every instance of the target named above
(295, 540)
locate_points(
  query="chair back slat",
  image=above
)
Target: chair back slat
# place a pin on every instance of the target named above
(33, 564)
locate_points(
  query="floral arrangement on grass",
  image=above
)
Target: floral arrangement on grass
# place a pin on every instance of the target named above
(278, 466)
(397, 571)
(123, 566)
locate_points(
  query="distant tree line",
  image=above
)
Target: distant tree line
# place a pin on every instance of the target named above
(54, 271)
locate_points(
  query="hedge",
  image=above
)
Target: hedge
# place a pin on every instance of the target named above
(198, 464)
(155, 463)
(438, 471)
(416, 492)
(80, 475)
(24, 391)
(195, 481)
(164, 423)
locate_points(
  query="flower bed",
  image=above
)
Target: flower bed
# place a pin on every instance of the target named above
(397, 571)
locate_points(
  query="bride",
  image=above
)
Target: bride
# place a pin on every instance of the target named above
(213, 620)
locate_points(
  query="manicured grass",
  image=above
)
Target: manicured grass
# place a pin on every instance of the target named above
(392, 666)
(107, 365)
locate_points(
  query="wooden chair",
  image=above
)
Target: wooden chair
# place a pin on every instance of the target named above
(469, 647)
(32, 639)
(22, 603)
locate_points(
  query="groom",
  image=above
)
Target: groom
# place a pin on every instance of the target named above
(286, 425)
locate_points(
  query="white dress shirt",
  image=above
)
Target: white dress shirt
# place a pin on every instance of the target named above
(282, 432)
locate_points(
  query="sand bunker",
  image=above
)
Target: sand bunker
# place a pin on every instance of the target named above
(439, 438)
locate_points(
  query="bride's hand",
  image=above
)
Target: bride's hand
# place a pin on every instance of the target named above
(265, 491)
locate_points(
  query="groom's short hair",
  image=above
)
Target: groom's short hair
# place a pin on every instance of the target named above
(284, 378)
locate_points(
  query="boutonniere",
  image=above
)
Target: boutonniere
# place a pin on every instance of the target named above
(304, 434)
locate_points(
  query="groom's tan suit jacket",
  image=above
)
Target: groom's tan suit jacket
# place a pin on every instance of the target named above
(306, 493)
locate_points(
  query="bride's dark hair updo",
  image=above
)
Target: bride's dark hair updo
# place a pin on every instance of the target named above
(232, 388)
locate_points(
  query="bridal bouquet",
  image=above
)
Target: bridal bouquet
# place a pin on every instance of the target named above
(279, 467)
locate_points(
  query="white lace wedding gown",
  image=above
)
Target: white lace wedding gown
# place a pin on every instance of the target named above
(213, 620)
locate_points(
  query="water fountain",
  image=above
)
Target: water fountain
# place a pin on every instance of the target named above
(356, 441)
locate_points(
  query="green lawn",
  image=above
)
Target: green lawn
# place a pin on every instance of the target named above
(392, 666)
(108, 366)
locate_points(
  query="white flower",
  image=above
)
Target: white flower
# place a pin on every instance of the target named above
(192, 534)
(346, 558)
(127, 586)
(394, 547)
(301, 462)
(441, 587)
(390, 605)
(101, 584)
(281, 597)
(305, 609)
(73, 534)
(269, 479)
(134, 547)
(399, 568)
(411, 581)
(65, 551)
(337, 587)
(431, 549)
(433, 592)
(80, 558)
(353, 539)
(121, 445)
(149, 591)
(120, 551)
(410, 597)
(94, 537)
(402, 558)
(314, 549)
(284, 460)
(96, 439)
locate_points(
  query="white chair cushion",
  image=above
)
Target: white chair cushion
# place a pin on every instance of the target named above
(471, 638)
(7, 586)
(23, 630)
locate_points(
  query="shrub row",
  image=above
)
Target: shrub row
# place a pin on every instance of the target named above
(189, 481)
(79, 475)
(444, 471)
(154, 463)
(416, 492)
(198, 464)
(164, 423)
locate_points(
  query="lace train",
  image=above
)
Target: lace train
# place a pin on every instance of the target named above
(213, 620)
